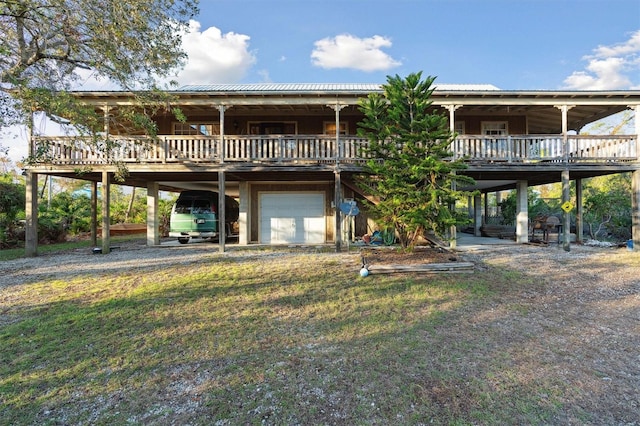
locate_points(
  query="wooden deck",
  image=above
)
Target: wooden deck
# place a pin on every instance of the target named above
(303, 149)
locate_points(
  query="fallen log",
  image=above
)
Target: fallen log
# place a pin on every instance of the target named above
(424, 268)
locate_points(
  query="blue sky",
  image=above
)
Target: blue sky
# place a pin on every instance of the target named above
(512, 44)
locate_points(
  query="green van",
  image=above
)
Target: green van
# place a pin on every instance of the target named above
(195, 215)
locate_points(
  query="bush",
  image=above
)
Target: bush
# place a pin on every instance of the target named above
(12, 201)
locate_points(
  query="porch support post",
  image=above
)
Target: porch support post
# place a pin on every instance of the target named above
(566, 222)
(636, 109)
(244, 217)
(339, 148)
(94, 213)
(579, 212)
(337, 198)
(105, 120)
(453, 231)
(452, 116)
(565, 136)
(477, 215)
(498, 201)
(522, 212)
(635, 208)
(486, 208)
(31, 215)
(153, 233)
(221, 109)
(222, 220)
(106, 187)
(106, 213)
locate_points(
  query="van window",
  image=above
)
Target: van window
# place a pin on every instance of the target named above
(183, 206)
(201, 207)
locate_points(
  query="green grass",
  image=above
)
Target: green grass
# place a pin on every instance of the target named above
(296, 339)
(17, 253)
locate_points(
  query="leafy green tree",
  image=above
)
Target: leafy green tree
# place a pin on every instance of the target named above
(12, 201)
(608, 207)
(128, 207)
(410, 170)
(68, 213)
(45, 43)
(536, 206)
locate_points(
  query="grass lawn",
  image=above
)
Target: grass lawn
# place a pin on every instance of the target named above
(268, 339)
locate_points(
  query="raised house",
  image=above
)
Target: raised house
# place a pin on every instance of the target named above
(288, 152)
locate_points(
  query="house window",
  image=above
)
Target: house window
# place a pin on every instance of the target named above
(192, 128)
(330, 128)
(495, 128)
(273, 128)
(459, 127)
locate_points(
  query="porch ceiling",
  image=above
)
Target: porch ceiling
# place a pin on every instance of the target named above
(540, 107)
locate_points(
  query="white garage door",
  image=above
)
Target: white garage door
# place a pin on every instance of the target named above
(292, 218)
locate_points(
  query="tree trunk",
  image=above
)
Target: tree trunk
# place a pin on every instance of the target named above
(131, 200)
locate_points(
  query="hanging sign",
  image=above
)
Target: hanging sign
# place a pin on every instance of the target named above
(567, 206)
(349, 208)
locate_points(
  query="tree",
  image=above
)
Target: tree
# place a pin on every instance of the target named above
(12, 199)
(536, 205)
(410, 169)
(46, 43)
(608, 207)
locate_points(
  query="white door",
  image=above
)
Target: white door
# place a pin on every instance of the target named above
(292, 218)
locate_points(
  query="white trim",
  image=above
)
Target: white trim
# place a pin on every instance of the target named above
(196, 126)
(494, 128)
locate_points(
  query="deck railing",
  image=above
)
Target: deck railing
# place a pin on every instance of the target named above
(549, 148)
(324, 149)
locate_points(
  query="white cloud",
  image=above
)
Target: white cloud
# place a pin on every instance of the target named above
(347, 51)
(610, 67)
(214, 57)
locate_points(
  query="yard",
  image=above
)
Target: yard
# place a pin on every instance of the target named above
(187, 335)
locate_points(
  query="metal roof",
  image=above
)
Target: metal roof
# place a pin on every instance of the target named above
(316, 87)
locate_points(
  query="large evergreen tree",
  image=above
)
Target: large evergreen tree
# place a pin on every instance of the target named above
(410, 170)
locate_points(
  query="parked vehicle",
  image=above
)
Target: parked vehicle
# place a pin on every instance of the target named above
(195, 215)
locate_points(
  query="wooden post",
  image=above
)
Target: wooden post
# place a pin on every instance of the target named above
(106, 212)
(635, 209)
(522, 212)
(579, 212)
(244, 217)
(337, 198)
(477, 215)
(31, 215)
(94, 213)
(153, 225)
(222, 220)
(635, 189)
(486, 208)
(221, 109)
(566, 223)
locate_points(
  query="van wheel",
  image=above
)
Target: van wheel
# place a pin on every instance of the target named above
(183, 240)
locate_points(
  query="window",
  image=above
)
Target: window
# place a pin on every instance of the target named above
(192, 128)
(495, 128)
(330, 128)
(459, 127)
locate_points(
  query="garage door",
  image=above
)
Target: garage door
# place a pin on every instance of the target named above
(292, 218)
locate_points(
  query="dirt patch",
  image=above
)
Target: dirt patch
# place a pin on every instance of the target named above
(395, 256)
